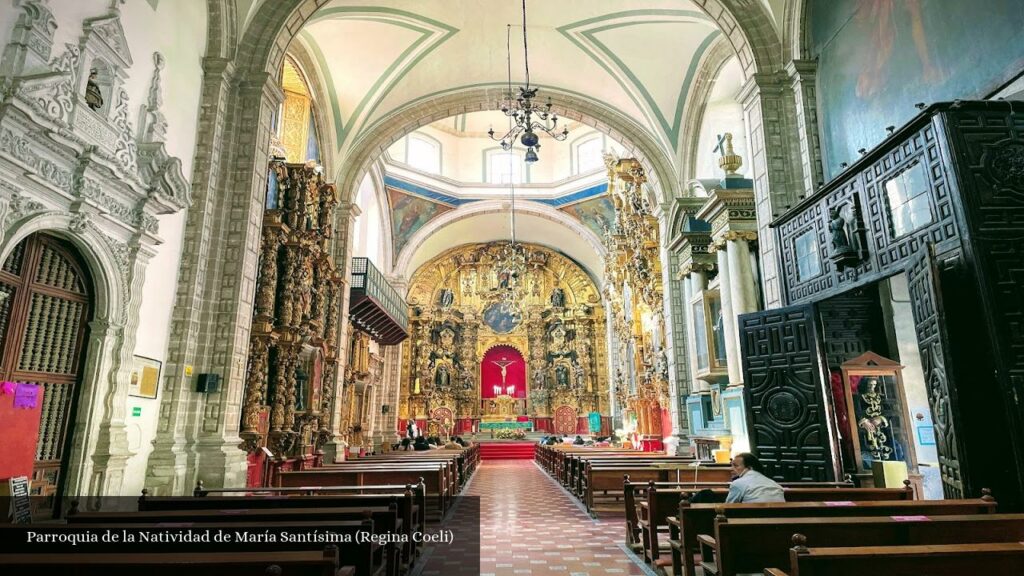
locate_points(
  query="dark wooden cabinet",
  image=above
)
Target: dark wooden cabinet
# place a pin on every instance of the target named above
(942, 202)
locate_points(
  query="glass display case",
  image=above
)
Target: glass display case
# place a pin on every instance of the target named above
(876, 412)
(709, 334)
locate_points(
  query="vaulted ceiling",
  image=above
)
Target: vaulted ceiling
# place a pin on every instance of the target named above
(637, 58)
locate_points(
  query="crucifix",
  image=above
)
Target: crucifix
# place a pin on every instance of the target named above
(724, 144)
(503, 364)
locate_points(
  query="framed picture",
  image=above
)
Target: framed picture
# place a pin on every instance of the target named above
(145, 380)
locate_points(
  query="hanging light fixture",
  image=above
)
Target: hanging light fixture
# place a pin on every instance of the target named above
(511, 259)
(528, 117)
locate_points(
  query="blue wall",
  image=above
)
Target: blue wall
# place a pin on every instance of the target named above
(877, 58)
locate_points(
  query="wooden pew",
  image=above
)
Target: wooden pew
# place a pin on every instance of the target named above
(432, 475)
(411, 499)
(694, 519)
(746, 545)
(368, 558)
(607, 477)
(795, 492)
(941, 560)
(309, 563)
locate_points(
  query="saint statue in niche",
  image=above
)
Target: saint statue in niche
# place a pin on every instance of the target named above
(558, 298)
(93, 95)
(446, 299)
(837, 225)
(443, 359)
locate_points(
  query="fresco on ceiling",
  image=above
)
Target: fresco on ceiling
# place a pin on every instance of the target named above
(408, 214)
(597, 214)
(877, 58)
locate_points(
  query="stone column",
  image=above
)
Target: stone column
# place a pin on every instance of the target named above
(728, 314)
(770, 112)
(676, 343)
(802, 76)
(345, 215)
(741, 278)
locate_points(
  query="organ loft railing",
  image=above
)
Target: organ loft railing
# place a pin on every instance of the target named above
(293, 355)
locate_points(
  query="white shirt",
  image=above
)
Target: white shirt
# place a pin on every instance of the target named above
(753, 486)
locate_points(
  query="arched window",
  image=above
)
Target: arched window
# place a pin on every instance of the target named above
(296, 136)
(590, 155)
(423, 153)
(502, 167)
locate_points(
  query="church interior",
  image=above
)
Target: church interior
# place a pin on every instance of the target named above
(586, 287)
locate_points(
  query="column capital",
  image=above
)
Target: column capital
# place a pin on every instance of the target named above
(802, 70)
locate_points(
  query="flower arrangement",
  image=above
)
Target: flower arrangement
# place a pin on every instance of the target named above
(511, 434)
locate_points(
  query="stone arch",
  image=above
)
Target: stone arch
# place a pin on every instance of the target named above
(404, 260)
(704, 82)
(796, 37)
(99, 441)
(222, 28)
(635, 140)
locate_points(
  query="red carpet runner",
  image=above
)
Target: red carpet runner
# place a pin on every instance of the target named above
(506, 450)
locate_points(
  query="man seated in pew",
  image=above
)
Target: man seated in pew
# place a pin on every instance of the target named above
(749, 485)
(420, 444)
(578, 441)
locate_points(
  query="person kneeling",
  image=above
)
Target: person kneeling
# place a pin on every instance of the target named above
(749, 484)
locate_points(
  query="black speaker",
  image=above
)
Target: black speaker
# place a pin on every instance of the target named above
(208, 383)
(384, 409)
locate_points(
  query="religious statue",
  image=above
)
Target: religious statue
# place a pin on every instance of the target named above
(93, 95)
(444, 360)
(446, 299)
(558, 298)
(843, 251)
(562, 375)
(874, 422)
(837, 226)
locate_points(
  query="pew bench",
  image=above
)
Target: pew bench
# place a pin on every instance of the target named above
(367, 557)
(309, 563)
(694, 519)
(748, 545)
(939, 560)
(432, 477)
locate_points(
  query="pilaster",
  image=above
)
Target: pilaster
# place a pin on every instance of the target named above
(770, 112)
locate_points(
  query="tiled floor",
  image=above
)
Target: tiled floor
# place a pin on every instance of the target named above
(529, 525)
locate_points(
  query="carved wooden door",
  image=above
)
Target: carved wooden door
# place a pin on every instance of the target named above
(565, 420)
(788, 415)
(45, 301)
(926, 303)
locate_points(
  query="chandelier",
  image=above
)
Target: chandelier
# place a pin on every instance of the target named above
(526, 118)
(510, 263)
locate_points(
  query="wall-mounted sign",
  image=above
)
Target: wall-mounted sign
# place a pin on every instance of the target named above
(145, 377)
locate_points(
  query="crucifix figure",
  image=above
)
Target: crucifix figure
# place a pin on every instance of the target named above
(503, 364)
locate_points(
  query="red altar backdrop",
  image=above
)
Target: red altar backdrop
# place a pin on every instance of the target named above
(490, 372)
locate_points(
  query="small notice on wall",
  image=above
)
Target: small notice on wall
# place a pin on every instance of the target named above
(21, 509)
(26, 396)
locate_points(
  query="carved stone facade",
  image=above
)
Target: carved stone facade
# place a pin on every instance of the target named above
(86, 175)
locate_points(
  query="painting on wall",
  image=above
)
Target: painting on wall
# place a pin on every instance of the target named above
(877, 58)
(408, 214)
(596, 214)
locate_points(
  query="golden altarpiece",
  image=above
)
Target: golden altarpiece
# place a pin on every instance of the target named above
(633, 289)
(293, 354)
(456, 319)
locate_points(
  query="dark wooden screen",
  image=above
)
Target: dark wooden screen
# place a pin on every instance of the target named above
(925, 301)
(44, 311)
(787, 406)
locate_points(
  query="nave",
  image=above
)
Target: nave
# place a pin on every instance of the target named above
(529, 525)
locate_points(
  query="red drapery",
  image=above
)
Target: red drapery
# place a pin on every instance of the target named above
(490, 372)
